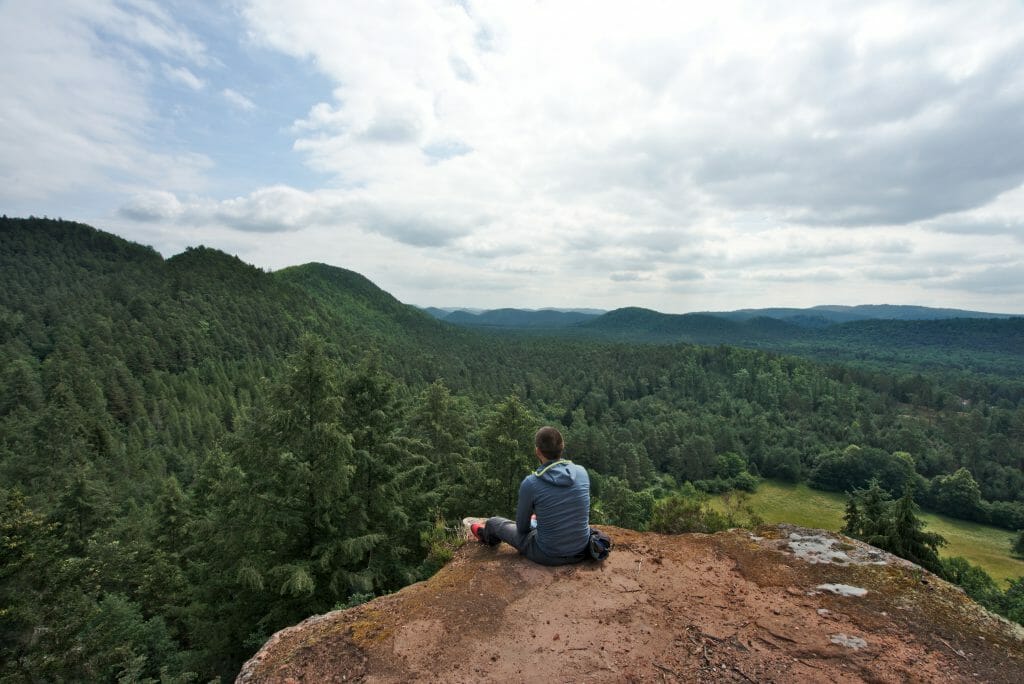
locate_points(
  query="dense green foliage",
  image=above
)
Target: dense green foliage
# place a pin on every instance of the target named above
(688, 510)
(195, 453)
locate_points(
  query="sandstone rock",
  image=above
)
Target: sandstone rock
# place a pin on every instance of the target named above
(725, 607)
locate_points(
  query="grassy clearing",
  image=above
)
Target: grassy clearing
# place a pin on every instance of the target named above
(982, 545)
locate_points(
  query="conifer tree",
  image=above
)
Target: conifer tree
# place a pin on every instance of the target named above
(507, 442)
(83, 507)
(853, 520)
(29, 551)
(279, 542)
(1017, 547)
(439, 422)
(872, 516)
(172, 515)
(391, 504)
(906, 536)
(872, 504)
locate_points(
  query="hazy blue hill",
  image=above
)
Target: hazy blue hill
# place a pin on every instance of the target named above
(824, 315)
(908, 313)
(993, 346)
(435, 312)
(645, 325)
(461, 317)
(519, 318)
(811, 317)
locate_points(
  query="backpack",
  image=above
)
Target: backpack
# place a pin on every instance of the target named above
(600, 545)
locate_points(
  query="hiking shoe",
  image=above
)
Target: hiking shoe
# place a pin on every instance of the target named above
(479, 531)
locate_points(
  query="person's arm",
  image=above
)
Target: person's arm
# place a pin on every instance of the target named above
(524, 509)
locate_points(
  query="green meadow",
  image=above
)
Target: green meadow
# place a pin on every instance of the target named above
(982, 545)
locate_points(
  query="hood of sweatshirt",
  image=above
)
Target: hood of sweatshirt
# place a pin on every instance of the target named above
(560, 473)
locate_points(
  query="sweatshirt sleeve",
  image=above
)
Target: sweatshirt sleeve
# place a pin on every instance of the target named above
(524, 509)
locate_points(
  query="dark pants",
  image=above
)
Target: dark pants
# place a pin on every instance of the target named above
(500, 529)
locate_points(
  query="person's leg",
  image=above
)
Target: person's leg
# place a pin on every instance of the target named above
(532, 551)
(500, 529)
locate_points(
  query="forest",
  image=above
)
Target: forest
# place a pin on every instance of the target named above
(195, 453)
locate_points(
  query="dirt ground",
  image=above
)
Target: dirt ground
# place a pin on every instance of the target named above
(725, 607)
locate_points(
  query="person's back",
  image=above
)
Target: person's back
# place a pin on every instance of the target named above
(559, 493)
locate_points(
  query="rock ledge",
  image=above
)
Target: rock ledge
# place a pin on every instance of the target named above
(734, 606)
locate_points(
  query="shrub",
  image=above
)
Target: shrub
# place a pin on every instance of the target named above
(677, 514)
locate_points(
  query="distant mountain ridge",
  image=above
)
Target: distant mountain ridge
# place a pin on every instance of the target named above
(515, 318)
(828, 314)
(881, 334)
(811, 317)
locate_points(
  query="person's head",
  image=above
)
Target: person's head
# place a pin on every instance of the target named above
(548, 442)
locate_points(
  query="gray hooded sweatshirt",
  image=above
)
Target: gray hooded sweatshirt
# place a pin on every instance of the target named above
(559, 493)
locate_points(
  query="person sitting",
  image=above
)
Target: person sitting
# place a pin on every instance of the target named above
(557, 494)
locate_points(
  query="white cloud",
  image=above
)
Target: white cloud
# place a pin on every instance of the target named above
(152, 206)
(684, 275)
(283, 209)
(991, 280)
(184, 77)
(798, 276)
(626, 277)
(914, 272)
(74, 114)
(238, 99)
(576, 119)
(139, 22)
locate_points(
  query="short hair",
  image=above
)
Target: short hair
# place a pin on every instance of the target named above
(549, 441)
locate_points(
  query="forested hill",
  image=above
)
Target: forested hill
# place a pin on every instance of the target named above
(997, 335)
(817, 316)
(60, 278)
(634, 324)
(812, 317)
(979, 346)
(959, 343)
(195, 453)
(515, 318)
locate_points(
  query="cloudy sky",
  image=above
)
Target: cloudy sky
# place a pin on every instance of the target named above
(673, 155)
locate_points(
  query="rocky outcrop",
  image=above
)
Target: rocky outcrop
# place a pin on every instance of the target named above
(784, 605)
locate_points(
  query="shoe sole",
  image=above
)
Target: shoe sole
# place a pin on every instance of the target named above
(467, 524)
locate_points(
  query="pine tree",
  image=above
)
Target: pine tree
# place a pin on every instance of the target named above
(83, 507)
(277, 542)
(30, 552)
(507, 443)
(392, 505)
(874, 505)
(1018, 544)
(906, 536)
(439, 422)
(172, 515)
(872, 516)
(853, 520)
